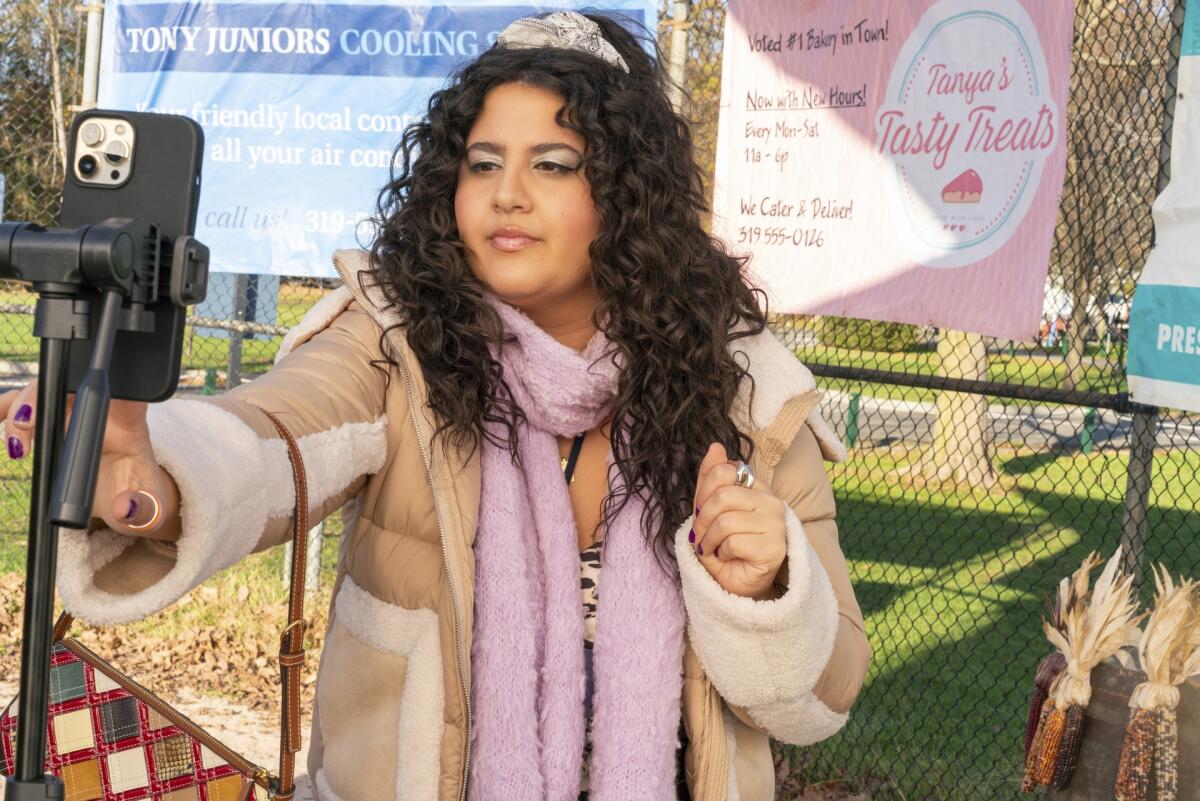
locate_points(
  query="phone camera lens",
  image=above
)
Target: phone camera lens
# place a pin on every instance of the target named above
(116, 151)
(87, 166)
(91, 134)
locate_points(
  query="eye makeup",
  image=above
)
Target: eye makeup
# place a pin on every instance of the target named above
(569, 159)
(557, 166)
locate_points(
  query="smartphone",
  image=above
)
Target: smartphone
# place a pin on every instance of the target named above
(147, 167)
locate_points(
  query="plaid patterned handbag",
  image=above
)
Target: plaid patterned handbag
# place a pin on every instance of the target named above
(111, 739)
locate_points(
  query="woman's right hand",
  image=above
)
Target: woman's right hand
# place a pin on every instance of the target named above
(130, 483)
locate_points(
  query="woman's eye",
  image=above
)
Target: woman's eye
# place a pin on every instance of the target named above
(483, 166)
(555, 167)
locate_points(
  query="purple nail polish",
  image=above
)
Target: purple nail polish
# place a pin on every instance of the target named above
(697, 511)
(692, 535)
(23, 414)
(700, 549)
(15, 449)
(133, 507)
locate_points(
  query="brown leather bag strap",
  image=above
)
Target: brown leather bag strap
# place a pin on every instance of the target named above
(61, 626)
(291, 645)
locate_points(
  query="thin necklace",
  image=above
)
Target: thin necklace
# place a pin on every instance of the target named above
(568, 461)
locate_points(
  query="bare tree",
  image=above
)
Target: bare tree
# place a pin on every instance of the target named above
(1114, 130)
(40, 52)
(702, 77)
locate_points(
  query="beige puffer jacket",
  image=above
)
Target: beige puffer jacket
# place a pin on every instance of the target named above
(393, 716)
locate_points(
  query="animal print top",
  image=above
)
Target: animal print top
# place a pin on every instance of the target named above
(589, 586)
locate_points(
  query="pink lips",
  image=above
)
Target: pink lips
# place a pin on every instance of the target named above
(510, 240)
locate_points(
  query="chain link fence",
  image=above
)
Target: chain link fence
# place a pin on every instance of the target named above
(41, 67)
(232, 336)
(980, 471)
(40, 62)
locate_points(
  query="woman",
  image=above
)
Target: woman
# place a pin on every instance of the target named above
(543, 342)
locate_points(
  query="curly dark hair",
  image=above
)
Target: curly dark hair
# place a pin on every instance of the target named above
(671, 298)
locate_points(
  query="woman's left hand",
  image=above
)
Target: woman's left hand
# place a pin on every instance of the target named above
(740, 533)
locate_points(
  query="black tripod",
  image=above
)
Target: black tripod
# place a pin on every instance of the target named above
(91, 282)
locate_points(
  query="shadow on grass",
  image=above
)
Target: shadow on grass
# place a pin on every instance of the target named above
(953, 598)
(1023, 465)
(875, 596)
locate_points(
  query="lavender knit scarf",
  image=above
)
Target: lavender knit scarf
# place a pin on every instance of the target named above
(528, 673)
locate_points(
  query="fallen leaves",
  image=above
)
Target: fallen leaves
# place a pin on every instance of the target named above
(793, 783)
(212, 641)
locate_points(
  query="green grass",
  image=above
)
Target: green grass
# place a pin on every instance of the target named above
(951, 581)
(952, 584)
(15, 477)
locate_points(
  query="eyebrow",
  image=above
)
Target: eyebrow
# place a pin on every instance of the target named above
(537, 150)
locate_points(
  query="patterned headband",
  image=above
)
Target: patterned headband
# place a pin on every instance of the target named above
(566, 29)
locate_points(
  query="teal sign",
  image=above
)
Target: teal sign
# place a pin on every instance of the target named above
(1191, 30)
(1164, 333)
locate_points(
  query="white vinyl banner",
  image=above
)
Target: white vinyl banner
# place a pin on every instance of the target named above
(1164, 323)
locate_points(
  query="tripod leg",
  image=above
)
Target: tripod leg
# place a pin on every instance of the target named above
(39, 582)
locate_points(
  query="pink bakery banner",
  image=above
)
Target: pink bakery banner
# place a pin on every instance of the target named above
(896, 161)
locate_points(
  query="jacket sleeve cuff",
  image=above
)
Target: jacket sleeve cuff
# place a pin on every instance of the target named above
(766, 656)
(230, 482)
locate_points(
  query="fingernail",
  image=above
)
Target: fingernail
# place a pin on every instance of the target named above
(692, 535)
(15, 449)
(133, 507)
(23, 414)
(700, 549)
(697, 511)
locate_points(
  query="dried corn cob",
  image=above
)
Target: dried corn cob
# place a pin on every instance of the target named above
(1166, 756)
(1087, 625)
(1047, 672)
(1133, 773)
(1169, 651)
(1029, 780)
(1068, 750)
(1047, 760)
(1036, 704)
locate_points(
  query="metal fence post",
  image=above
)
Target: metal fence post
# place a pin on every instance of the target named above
(312, 570)
(678, 57)
(1087, 437)
(1137, 490)
(241, 286)
(852, 420)
(312, 564)
(91, 55)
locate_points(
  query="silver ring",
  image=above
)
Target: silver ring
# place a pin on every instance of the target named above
(745, 476)
(154, 518)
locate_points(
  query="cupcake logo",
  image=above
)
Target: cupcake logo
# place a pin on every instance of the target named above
(965, 129)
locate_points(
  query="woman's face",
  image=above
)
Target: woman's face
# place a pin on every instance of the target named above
(524, 208)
